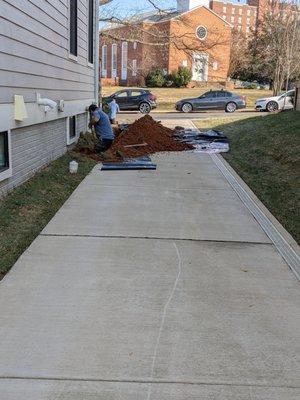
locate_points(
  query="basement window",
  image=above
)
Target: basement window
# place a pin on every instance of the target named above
(73, 28)
(71, 129)
(5, 164)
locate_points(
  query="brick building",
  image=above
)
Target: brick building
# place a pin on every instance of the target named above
(245, 17)
(242, 16)
(193, 35)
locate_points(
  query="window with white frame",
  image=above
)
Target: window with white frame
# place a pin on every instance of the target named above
(104, 61)
(248, 12)
(240, 11)
(184, 63)
(73, 27)
(71, 129)
(248, 21)
(224, 17)
(247, 29)
(134, 67)
(233, 10)
(224, 9)
(232, 19)
(114, 50)
(240, 20)
(124, 60)
(239, 28)
(134, 45)
(5, 163)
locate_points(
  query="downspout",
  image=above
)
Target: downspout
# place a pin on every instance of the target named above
(96, 54)
(98, 87)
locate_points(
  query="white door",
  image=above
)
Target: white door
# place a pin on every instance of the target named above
(124, 61)
(200, 67)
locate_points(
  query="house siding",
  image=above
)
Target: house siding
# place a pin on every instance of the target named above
(35, 146)
(34, 58)
(34, 48)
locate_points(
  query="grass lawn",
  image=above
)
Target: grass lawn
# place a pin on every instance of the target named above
(26, 210)
(265, 152)
(167, 97)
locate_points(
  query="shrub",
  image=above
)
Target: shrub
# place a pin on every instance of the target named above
(155, 78)
(181, 77)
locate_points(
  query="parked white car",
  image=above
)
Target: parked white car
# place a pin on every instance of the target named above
(284, 100)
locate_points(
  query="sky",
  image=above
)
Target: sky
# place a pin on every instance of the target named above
(132, 6)
(126, 7)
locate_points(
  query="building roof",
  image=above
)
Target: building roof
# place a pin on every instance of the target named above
(156, 16)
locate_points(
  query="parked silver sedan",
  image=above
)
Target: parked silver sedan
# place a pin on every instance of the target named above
(212, 100)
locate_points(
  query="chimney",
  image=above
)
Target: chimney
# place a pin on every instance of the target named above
(186, 5)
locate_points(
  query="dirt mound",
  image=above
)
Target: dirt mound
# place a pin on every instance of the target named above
(149, 136)
(145, 136)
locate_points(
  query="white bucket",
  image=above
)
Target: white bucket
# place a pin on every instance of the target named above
(73, 167)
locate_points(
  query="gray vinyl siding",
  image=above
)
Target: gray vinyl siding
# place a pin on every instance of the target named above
(32, 148)
(34, 51)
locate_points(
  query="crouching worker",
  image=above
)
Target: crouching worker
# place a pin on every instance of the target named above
(103, 129)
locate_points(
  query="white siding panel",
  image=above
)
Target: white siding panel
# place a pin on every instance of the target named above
(18, 18)
(38, 14)
(61, 6)
(51, 9)
(7, 95)
(20, 80)
(34, 51)
(10, 30)
(21, 65)
(27, 52)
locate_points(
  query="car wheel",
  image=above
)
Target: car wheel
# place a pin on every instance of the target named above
(145, 108)
(272, 106)
(186, 107)
(230, 107)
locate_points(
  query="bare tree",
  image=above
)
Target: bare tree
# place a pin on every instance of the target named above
(279, 42)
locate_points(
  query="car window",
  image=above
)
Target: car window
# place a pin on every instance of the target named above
(136, 93)
(221, 94)
(121, 94)
(289, 94)
(228, 94)
(209, 95)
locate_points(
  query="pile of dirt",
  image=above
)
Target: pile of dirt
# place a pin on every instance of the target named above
(145, 136)
(149, 137)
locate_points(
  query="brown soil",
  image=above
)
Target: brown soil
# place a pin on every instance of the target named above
(144, 130)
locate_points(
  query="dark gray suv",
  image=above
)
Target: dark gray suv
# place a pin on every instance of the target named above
(133, 99)
(212, 100)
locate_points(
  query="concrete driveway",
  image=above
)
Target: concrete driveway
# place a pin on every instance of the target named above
(151, 285)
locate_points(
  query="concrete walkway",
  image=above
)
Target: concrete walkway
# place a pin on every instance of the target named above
(151, 285)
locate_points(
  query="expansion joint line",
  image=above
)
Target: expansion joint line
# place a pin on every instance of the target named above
(164, 317)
